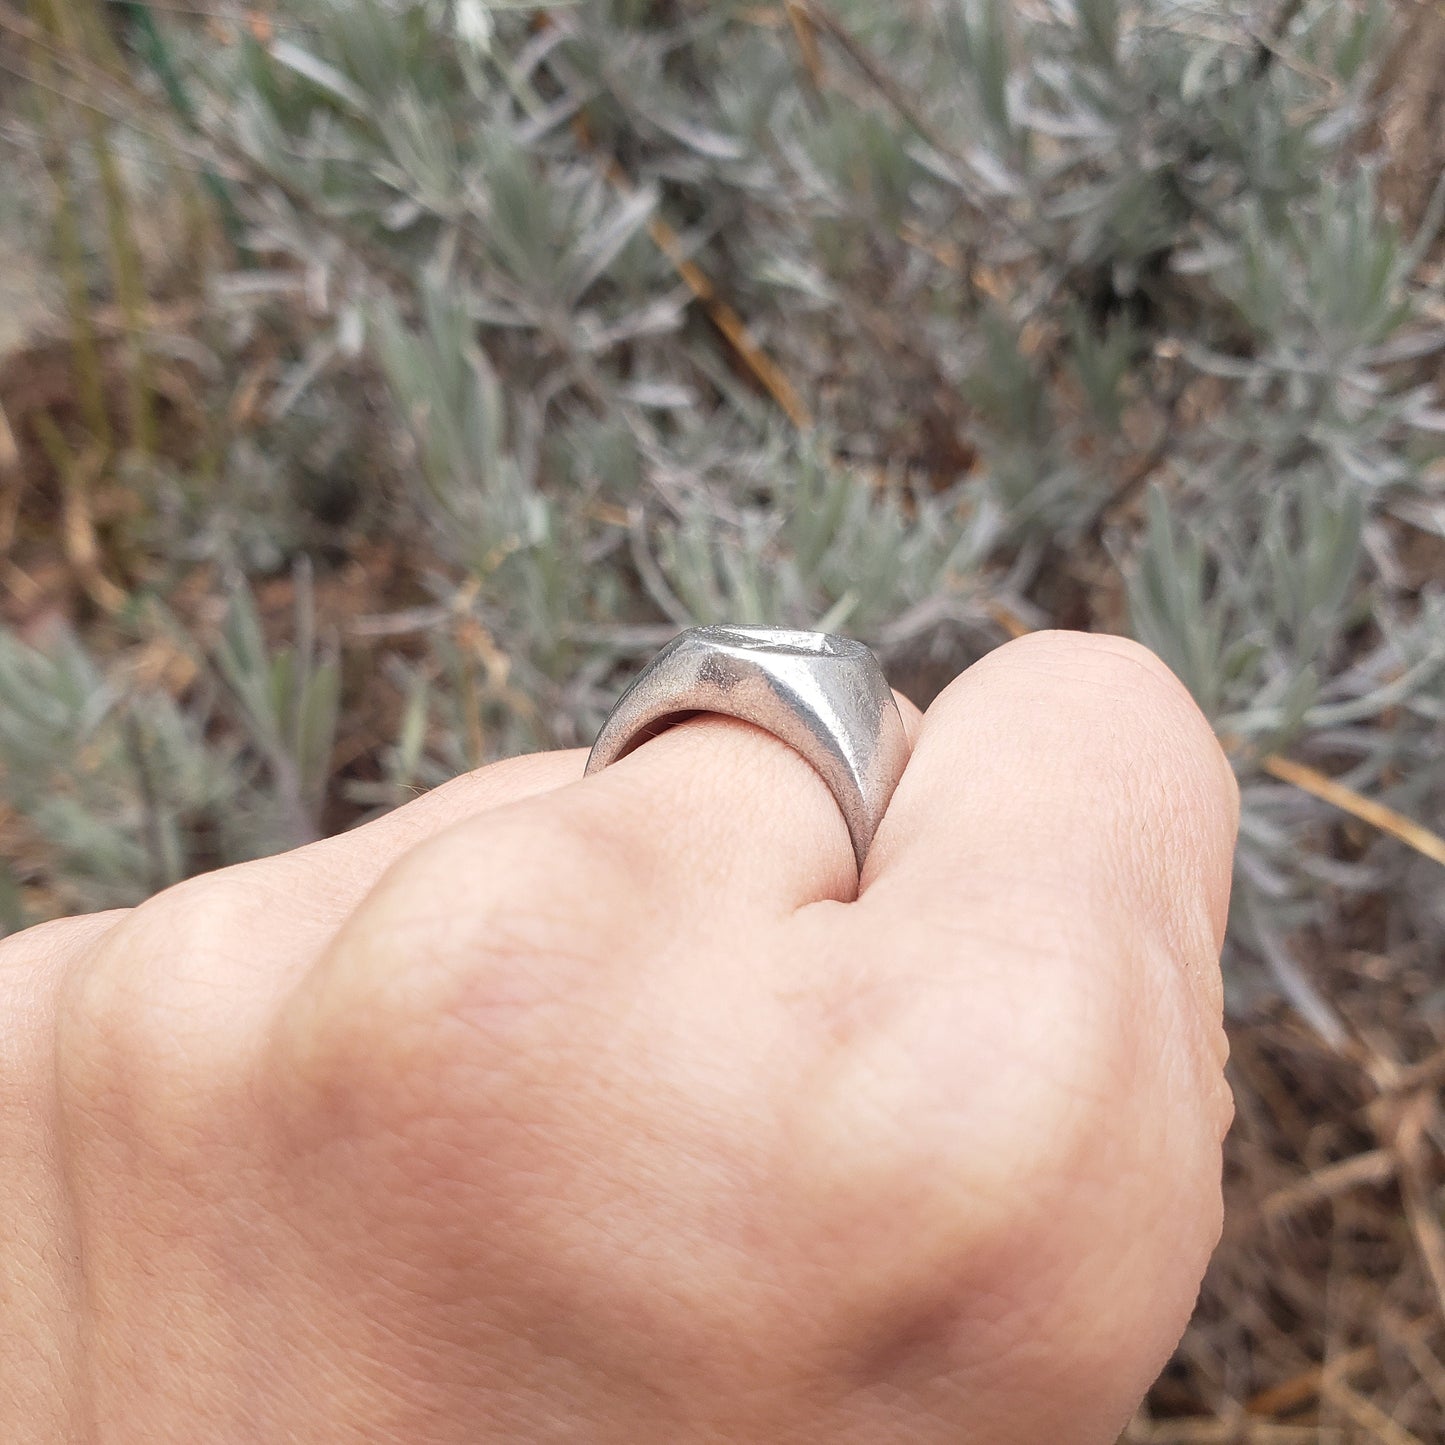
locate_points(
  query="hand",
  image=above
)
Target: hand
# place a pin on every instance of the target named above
(549, 1109)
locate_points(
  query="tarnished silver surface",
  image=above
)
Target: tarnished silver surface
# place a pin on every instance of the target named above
(824, 696)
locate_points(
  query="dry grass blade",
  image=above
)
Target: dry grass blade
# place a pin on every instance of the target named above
(1368, 1416)
(727, 320)
(1376, 1167)
(1409, 1336)
(9, 451)
(1302, 1389)
(1207, 1431)
(82, 549)
(1411, 1145)
(807, 38)
(885, 84)
(1387, 820)
(730, 323)
(1311, 780)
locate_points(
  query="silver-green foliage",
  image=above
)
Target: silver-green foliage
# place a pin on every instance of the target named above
(114, 776)
(128, 789)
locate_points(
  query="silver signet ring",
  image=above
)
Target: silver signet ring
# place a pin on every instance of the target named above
(825, 696)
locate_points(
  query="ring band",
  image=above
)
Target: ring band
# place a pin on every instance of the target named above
(825, 696)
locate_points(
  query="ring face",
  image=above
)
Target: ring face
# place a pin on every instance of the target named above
(782, 641)
(825, 696)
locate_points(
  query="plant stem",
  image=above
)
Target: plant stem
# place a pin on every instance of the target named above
(78, 32)
(90, 384)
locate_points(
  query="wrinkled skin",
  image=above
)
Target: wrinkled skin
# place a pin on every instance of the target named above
(614, 1110)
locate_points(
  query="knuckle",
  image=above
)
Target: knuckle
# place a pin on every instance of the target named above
(953, 1165)
(1123, 681)
(1113, 669)
(56, 939)
(137, 1032)
(459, 975)
(1052, 1155)
(1101, 662)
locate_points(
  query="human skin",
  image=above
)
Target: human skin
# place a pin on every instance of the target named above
(619, 1110)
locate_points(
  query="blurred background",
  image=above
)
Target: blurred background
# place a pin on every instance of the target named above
(382, 381)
